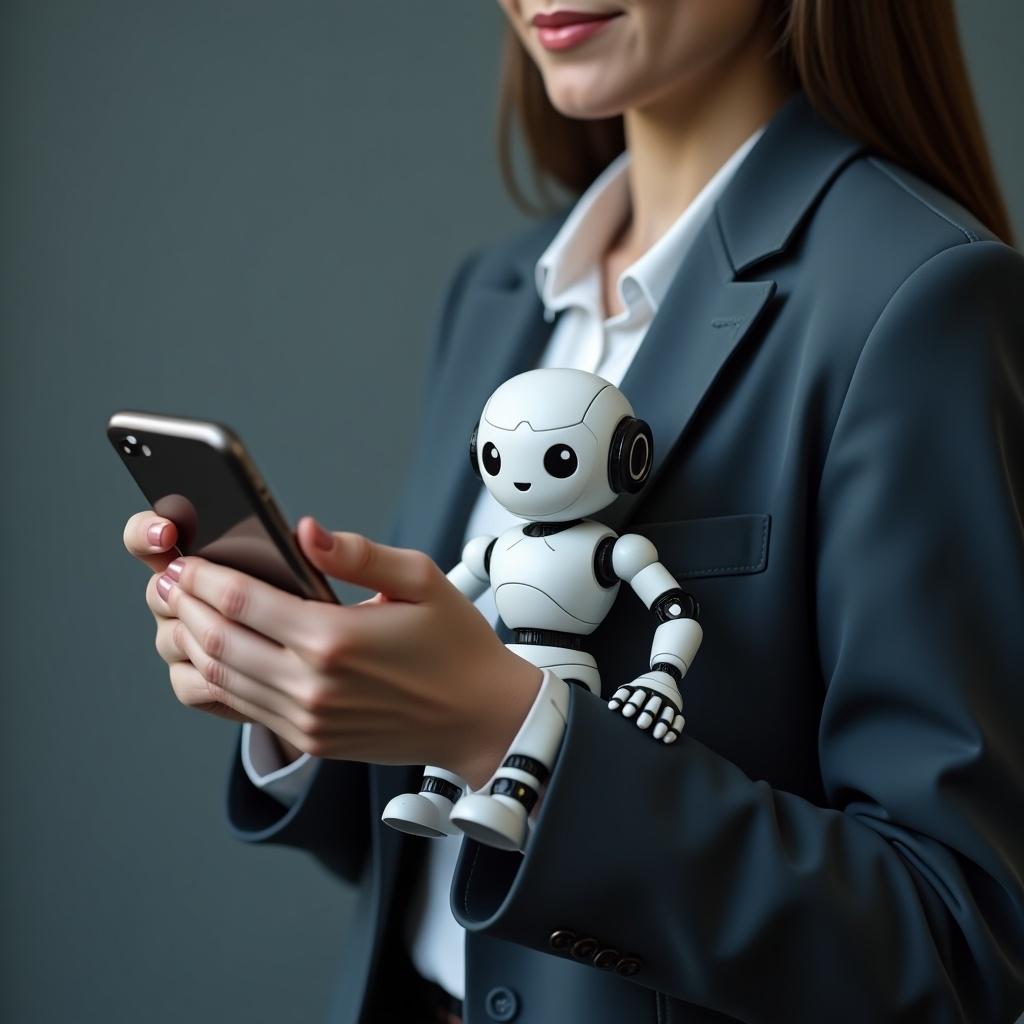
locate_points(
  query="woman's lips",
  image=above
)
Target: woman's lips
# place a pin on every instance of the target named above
(564, 29)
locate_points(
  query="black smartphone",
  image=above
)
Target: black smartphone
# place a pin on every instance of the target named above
(198, 474)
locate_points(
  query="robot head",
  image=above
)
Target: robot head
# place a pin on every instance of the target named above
(559, 444)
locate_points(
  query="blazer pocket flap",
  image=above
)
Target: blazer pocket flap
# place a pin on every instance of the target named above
(712, 546)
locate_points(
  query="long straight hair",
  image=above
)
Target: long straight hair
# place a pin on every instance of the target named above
(888, 72)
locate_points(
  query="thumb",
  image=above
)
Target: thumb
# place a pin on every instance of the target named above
(399, 573)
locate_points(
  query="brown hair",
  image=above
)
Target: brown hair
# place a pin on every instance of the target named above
(889, 72)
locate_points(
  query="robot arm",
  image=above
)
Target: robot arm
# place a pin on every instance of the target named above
(655, 694)
(472, 575)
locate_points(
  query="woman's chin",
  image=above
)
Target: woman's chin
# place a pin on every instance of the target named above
(584, 100)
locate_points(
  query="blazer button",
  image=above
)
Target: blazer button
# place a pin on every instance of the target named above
(607, 959)
(502, 1004)
(585, 948)
(627, 966)
(561, 940)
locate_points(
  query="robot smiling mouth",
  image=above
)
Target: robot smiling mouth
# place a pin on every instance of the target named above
(521, 487)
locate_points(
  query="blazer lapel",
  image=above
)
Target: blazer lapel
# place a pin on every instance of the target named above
(716, 297)
(703, 319)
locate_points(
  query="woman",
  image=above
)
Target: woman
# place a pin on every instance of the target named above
(797, 268)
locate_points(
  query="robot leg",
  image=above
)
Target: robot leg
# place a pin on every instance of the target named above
(426, 813)
(496, 814)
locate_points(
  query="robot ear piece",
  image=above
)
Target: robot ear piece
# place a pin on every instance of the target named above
(630, 455)
(473, 461)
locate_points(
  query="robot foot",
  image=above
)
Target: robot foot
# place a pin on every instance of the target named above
(492, 820)
(419, 815)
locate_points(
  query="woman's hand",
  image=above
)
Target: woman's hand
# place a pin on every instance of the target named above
(414, 675)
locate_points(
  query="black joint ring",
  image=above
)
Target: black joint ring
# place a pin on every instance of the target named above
(664, 666)
(549, 638)
(527, 764)
(688, 607)
(505, 786)
(487, 556)
(603, 567)
(433, 784)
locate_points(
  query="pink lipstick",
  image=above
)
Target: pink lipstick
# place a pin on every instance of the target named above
(561, 30)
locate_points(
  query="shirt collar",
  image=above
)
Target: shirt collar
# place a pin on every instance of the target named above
(567, 271)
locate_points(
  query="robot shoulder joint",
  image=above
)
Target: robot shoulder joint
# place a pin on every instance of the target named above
(631, 554)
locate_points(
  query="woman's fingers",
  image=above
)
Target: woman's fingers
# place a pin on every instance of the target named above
(166, 643)
(401, 573)
(151, 539)
(194, 690)
(154, 600)
(220, 683)
(244, 599)
(191, 690)
(232, 656)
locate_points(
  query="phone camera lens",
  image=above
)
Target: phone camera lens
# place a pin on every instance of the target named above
(130, 445)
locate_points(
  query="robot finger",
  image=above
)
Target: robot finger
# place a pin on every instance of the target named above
(618, 697)
(664, 721)
(650, 710)
(676, 728)
(639, 696)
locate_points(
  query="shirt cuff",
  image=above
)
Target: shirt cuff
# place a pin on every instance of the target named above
(263, 764)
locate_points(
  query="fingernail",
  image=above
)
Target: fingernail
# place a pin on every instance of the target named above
(321, 538)
(163, 584)
(174, 569)
(155, 534)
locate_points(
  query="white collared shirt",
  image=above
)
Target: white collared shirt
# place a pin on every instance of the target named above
(568, 277)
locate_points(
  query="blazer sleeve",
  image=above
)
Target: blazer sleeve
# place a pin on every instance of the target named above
(903, 898)
(331, 817)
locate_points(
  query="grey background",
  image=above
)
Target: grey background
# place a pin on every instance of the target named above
(246, 210)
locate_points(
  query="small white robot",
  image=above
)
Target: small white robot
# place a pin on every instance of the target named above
(554, 446)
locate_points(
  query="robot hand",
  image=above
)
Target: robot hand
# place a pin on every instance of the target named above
(657, 698)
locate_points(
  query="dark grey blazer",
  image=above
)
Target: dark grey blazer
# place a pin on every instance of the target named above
(835, 381)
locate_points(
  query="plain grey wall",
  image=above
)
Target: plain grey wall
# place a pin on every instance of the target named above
(246, 210)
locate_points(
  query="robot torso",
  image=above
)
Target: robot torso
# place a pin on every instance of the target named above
(548, 581)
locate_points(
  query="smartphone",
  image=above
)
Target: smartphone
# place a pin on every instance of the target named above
(198, 474)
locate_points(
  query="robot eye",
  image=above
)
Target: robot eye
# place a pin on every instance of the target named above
(491, 459)
(560, 461)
